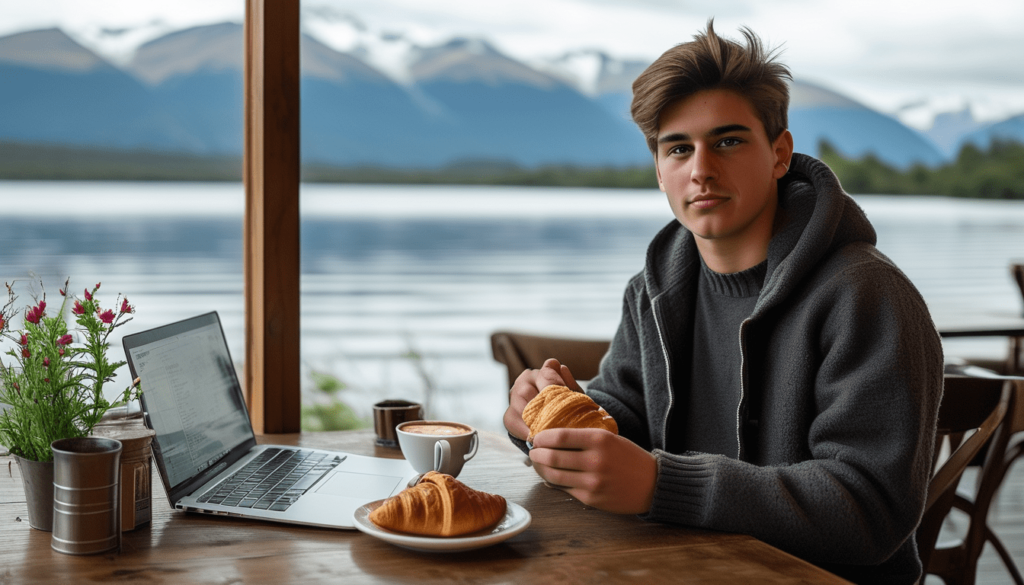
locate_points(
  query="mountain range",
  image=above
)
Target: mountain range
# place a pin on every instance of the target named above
(459, 102)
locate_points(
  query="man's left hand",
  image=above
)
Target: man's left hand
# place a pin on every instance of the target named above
(599, 468)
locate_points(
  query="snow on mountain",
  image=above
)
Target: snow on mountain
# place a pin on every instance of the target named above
(581, 69)
(389, 52)
(463, 59)
(49, 49)
(118, 45)
(213, 48)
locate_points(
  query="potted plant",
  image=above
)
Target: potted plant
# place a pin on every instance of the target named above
(53, 385)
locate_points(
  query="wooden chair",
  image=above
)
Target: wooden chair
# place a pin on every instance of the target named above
(1015, 361)
(520, 351)
(994, 463)
(968, 403)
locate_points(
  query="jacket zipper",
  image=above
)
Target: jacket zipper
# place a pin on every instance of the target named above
(668, 373)
(743, 391)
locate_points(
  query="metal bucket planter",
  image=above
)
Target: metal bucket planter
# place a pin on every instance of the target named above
(86, 495)
(37, 480)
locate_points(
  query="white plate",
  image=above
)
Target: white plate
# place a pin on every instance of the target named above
(516, 520)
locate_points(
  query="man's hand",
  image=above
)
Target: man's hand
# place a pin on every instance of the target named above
(528, 385)
(599, 468)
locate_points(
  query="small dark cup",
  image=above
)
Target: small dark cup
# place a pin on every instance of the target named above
(389, 414)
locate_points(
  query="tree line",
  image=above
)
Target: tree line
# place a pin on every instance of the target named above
(993, 173)
(996, 172)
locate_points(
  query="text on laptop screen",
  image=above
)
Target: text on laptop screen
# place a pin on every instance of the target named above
(192, 398)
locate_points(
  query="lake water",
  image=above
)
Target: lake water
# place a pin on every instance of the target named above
(394, 272)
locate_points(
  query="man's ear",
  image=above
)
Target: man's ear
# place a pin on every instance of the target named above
(783, 148)
(657, 171)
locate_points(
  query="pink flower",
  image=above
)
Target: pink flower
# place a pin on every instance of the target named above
(88, 295)
(46, 362)
(24, 339)
(78, 309)
(62, 293)
(64, 340)
(36, 313)
(1, 323)
(60, 351)
(96, 287)
(125, 307)
(26, 353)
(107, 316)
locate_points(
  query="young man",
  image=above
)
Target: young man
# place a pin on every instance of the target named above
(773, 373)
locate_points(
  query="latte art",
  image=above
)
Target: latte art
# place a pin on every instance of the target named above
(435, 429)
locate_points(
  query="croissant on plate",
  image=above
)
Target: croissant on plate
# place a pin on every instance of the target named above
(559, 407)
(439, 505)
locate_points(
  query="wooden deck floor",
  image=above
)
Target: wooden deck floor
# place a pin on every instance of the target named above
(1007, 521)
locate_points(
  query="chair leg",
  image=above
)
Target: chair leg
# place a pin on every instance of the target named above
(1011, 566)
(947, 563)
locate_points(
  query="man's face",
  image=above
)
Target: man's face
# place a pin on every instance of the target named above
(718, 168)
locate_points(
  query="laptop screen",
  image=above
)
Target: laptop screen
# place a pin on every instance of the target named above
(190, 394)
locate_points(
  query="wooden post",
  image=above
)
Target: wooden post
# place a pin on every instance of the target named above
(271, 176)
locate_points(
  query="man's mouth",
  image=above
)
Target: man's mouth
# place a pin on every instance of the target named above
(706, 201)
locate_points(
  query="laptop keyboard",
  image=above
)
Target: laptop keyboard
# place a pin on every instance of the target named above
(273, 480)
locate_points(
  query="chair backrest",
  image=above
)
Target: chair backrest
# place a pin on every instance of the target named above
(1017, 270)
(520, 351)
(968, 403)
(1015, 361)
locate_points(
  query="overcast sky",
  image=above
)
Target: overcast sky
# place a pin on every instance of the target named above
(911, 58)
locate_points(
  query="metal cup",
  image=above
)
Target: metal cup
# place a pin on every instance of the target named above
(86, 495)
(389, 414)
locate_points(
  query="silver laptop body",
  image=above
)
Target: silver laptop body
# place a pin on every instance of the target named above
(206, 450)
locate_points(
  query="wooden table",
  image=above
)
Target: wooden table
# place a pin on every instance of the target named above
(987, 324)
(990, 324)
(567, 542)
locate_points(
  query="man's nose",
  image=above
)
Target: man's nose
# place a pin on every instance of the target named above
(703, 168)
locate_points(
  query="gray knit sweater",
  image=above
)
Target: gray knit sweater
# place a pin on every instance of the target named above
(841, 377)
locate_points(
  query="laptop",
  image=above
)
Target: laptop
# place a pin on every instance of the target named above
(206, 451)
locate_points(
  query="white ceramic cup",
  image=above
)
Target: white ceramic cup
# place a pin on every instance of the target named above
(435, 445)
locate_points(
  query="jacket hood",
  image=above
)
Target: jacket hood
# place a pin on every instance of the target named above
(814, 218)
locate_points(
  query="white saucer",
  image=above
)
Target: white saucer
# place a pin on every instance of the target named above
(516, 520)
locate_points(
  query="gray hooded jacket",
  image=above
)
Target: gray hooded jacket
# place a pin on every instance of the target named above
(841, 377)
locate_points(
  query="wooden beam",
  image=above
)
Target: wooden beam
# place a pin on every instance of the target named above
(271, 176)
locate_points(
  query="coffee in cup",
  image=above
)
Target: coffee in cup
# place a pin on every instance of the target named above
(441, 446)
(431, 428)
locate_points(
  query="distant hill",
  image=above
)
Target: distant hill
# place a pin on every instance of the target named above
(1011, 129)
(949, 129)
(455, 103)
(54, 90)
(497, 107)
(818, 115)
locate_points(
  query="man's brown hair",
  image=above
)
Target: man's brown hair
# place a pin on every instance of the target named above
(711, 62)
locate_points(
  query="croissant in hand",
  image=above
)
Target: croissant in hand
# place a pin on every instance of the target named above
(439, 505)
(559, 407)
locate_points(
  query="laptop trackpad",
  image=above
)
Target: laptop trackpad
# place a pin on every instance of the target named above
(359, 485)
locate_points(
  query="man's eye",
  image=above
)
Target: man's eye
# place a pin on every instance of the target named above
(680, 149)
(729, 142)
